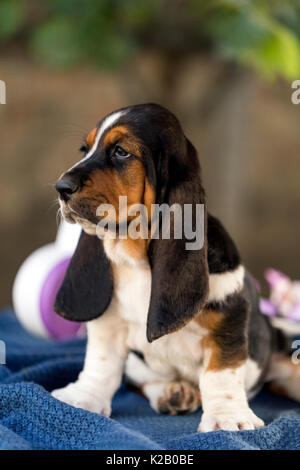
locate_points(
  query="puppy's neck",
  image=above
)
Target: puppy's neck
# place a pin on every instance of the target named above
(127, 252)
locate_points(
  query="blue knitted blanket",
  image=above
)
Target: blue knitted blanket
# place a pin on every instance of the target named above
(31, 419)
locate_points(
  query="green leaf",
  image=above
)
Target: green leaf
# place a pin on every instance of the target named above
(279, 55)
(12, 13)
(137, 14)
(236, 32)
(58, 42)
(112, 50)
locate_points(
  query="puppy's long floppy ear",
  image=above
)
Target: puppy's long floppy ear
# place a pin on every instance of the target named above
(179, 276)
(87, 288)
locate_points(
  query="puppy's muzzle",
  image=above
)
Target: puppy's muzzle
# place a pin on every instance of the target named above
(66, 187)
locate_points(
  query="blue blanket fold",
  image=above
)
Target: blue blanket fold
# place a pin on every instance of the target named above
(31, 419)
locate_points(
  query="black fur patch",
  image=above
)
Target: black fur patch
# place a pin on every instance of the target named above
(244, 326)
(87, 287)
(222, 253)
(231, 333)
(179, 276)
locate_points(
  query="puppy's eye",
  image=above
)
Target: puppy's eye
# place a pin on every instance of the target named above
(119, 152)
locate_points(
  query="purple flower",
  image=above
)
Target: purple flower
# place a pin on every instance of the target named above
(284, 296)
(267, 307)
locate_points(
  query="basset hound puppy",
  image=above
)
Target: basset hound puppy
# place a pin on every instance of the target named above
(183, 325)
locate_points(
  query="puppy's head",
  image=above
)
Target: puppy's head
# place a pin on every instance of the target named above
(128, 154)
(113, 165)
(142, 153)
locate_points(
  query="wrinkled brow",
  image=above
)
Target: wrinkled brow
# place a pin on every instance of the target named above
(124, 136)
(115, 134)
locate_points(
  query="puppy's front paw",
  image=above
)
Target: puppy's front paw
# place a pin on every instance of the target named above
(75, 395)
(230, 421)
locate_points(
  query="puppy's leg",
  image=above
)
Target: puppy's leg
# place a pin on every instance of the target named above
(103, 367)
(222, 379)
(284, 376)
(225, 403)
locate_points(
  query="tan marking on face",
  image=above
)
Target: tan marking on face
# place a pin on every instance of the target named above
(137, 249)
(122, 136)
(115, 134)
(106, 185)
(90, 139)
(220, 358)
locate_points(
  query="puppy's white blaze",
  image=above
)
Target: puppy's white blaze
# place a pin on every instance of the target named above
(224, 284)
(108, 122)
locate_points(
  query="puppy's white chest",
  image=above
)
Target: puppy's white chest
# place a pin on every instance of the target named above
(180, 352)
(132, 289)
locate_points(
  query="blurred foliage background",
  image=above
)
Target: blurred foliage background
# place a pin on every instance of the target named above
(62, 33)
(225, 67)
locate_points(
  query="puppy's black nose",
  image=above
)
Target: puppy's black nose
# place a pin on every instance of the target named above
(66, 187)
